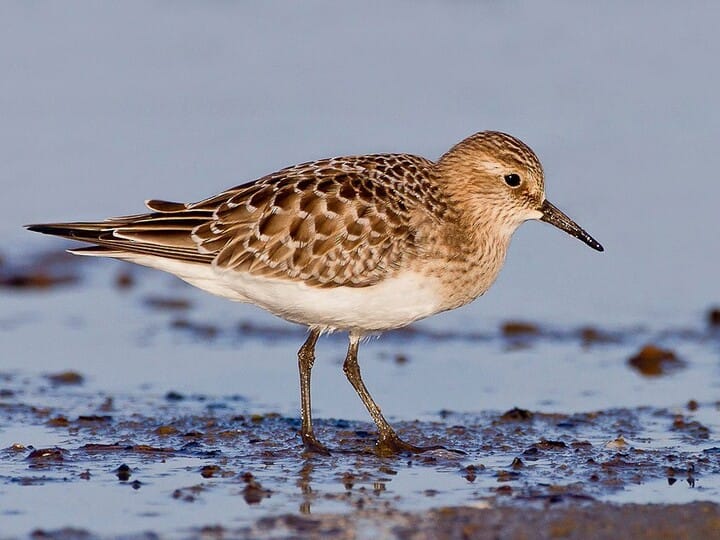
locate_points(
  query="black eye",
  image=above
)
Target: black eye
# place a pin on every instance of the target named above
(512, 180)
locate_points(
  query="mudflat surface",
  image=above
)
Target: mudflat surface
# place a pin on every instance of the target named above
(159, 418)
(184, 466)
(587, 522)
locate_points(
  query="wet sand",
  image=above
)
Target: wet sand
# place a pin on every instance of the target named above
(83, 459)
(207, 471)
(593, 521)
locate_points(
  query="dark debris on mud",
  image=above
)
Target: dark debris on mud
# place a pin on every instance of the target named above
(514, 459)
(557, 468)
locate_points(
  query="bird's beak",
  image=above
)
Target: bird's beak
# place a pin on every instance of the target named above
(550, 214)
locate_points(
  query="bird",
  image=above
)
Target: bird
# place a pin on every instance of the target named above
(360, 244)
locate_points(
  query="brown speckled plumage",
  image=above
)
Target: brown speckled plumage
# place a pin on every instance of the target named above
(338, 222)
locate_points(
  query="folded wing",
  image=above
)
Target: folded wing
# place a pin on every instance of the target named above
(336, 222)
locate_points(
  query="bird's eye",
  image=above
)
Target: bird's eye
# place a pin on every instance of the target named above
(512, 179)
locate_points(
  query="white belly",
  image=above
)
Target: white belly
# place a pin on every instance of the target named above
(392, 303)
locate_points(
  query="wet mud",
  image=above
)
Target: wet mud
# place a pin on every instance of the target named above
(169, 462)
(562, 470)
(579, 522)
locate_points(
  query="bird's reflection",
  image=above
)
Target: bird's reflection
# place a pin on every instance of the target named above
(303, 482)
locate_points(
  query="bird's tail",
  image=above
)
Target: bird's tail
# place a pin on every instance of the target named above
(165, 232)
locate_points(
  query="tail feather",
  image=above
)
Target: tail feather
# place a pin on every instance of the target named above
(85, 231)
(97, 251)
(157, 205)
(148, 234)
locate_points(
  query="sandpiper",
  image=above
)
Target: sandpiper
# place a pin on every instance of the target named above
(360, 244)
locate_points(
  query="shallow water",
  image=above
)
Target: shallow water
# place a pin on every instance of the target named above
(111, 104)
(135, 387)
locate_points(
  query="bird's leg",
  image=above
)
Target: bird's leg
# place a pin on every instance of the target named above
(388, 441)
(306, 359)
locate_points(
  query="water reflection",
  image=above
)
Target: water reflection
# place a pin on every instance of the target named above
(304, 483)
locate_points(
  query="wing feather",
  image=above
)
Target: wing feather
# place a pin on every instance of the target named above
(337, 222)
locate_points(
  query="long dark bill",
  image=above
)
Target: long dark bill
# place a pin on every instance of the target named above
(556, 217)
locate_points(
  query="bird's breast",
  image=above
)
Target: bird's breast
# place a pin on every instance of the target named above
(465, 266)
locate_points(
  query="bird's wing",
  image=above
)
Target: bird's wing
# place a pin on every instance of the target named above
(336, 222)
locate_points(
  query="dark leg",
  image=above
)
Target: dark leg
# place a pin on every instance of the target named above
(306, 359)
(388, 441)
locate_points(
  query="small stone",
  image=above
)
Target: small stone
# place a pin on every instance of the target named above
(714, 317)
(653, 361)
(616, 443)
(123, 472)
(66, 377)
(519, 328)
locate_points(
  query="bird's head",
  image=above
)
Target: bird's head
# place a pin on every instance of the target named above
(501, 179)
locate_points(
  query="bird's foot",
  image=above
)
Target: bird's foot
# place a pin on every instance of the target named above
(313, 446)
(392, 445)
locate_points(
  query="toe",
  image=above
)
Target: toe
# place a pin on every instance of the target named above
(313, 446)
